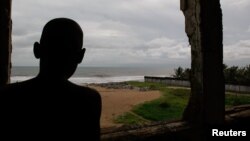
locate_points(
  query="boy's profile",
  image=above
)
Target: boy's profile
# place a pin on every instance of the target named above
(49, 105)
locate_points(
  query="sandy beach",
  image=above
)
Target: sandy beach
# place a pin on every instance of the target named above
(118, 101)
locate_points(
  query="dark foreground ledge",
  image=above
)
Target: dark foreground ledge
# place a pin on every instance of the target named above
(235, 118)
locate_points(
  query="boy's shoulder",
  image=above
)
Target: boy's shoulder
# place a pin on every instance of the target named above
(86, 90)
(15, 87)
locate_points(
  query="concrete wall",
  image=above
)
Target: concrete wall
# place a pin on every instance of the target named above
(237, 88)
(185, 83)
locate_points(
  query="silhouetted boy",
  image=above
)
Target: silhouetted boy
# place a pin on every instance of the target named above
(49, 106)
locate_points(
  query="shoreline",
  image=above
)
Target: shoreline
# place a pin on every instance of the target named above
(88, 79)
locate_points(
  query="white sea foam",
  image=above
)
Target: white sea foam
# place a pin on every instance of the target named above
(15, 79)
(86, 75)
(88, 80)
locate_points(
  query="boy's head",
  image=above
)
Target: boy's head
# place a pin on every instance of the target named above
(60, 48)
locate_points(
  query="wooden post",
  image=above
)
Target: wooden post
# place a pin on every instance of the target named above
(203, 25)
(5, 41)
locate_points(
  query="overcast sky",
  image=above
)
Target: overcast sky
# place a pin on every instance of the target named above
(128, 32)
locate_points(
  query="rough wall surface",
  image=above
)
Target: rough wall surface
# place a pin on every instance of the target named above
(212, 49)
(203, 19)
(5, 41)
(185, 83)
(193, 31)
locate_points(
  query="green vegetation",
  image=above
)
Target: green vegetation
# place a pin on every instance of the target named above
(181, 73)
(130, 118)
(233, 99)
(233, 75)
(169, 106)
(150, 85)
(236, 75)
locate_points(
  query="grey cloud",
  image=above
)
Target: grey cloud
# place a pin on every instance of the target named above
(118, 32)
(25, 40)
(168, 48)
(238, 51)
(235, 20)
(23, 56)
(163, 49)
(248, 30)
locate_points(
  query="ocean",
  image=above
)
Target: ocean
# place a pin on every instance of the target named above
(86, 75)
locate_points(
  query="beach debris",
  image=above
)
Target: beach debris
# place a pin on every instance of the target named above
(121, 85)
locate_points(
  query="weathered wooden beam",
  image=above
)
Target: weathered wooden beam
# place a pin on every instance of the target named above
(5, 41)
(237, 117)
(160, 132)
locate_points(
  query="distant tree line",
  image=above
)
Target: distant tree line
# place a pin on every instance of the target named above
(182, 73)
(233, 75)
(237, 75)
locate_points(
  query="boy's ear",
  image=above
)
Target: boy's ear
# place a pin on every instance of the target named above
(81, 55)
(36, 50)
